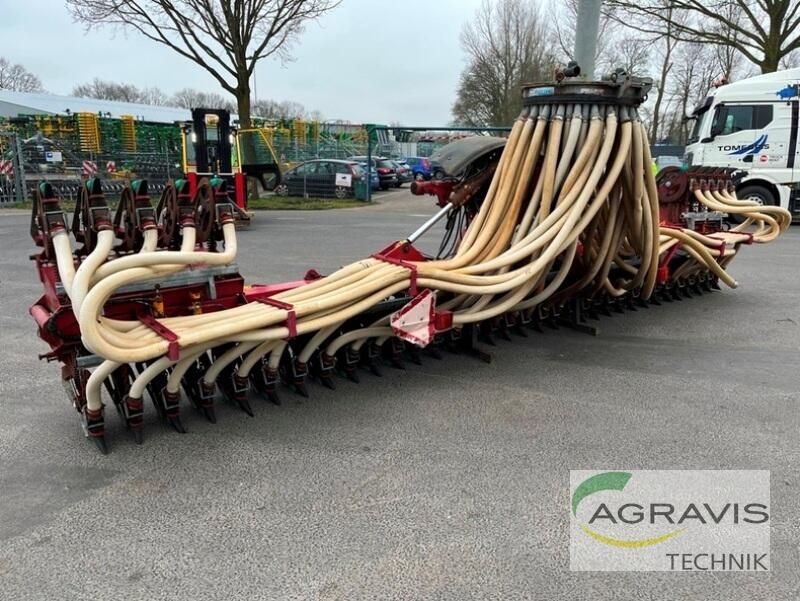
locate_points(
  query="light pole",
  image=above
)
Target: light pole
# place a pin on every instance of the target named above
(587, 26)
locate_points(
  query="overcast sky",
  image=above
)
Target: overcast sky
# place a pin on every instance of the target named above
(375, 61)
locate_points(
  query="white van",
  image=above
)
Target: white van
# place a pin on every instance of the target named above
(752, 124)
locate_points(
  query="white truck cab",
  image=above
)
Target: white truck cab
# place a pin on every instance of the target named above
(752, 124)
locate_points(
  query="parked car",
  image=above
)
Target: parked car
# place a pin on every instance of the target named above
(387, 172)
(420, 167)
(403, 172)
(374, 180)
(321, 177)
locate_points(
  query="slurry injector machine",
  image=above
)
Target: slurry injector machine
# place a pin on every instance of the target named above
(564, 221)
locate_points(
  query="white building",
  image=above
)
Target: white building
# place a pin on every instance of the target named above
(13, 104)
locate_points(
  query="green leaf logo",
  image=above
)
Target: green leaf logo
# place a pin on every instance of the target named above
(612, 481)
(597, 483)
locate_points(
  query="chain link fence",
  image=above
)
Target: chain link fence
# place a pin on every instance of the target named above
(12, 172)
(55, 149)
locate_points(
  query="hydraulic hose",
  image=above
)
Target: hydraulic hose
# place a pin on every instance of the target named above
(572, 206)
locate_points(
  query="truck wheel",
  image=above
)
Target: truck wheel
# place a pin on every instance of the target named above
(282, 190)
(759, 194)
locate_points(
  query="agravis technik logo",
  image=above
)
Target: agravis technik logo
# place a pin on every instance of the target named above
(612, 481)
(669, 520)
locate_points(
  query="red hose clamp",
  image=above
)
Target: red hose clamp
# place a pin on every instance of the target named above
(291, 316)
(442, 321)
(671, 253)
(662, 274)
(412, 268)
(721, 247)
(173, 350)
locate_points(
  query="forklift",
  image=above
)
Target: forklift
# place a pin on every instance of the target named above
(213, 147)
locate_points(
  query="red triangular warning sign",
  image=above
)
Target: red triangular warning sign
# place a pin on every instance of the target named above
(415, 322)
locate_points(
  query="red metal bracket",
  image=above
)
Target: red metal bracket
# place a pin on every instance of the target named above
(173, 350)
(291, 316)
(438, 188)
(412, 288)
(671, 253)
(442, 320)
(663, 269)
(721, 247)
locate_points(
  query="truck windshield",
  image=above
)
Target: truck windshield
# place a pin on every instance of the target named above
(699, 117)
(696, 127)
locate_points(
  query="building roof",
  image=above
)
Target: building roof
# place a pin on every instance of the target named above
(29, 103)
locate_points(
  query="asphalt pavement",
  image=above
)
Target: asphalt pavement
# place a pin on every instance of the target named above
(442, 481)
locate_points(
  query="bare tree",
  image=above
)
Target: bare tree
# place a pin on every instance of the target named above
(507, 45)
(696, 67)
(190, 98)
(606, 56)
(17, 78)
(154, 96)
(632, 54)
(668, 46)
(120, 92)
(790, 60)
(662, 38)
(227, 38)
(763, 31)
(108, 90)
(727, 57)
(271, 109)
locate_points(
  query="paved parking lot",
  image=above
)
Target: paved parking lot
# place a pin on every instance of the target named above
(444, 481)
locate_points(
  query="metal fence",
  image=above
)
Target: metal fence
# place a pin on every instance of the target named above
(12, 172)
(25, 163)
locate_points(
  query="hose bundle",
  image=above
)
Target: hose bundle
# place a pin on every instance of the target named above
(572, 209)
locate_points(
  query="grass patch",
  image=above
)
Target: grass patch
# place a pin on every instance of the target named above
(19, 205)
(298, 203)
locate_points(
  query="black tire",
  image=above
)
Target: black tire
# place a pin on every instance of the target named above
(438, 174)
(282, 190)
(384, 187)
(760, 194)
(419, 177)
(341, 192)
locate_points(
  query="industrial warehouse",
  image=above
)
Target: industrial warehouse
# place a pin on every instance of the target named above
(532, 343)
